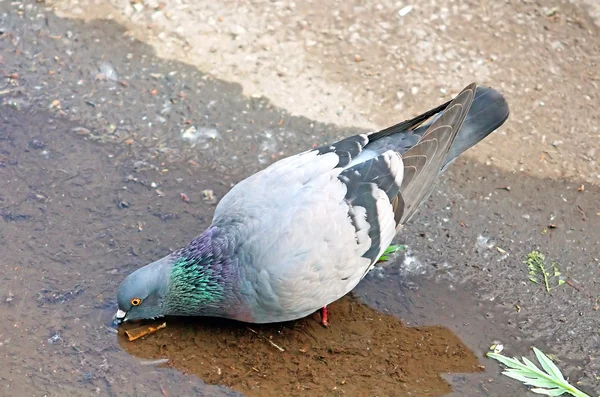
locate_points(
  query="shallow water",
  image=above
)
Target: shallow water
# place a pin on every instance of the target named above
(90, 190)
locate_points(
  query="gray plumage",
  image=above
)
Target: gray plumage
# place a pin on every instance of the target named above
(303, 232)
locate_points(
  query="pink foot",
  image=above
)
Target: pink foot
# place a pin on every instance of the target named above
(324, 321)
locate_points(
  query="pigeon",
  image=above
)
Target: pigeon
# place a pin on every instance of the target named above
(298, 235)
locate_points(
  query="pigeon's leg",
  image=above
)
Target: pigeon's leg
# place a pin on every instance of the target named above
(324, 321)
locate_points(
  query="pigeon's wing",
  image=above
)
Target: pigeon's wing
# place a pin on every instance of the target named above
(309, 227)
(306, 231)
(390, 187)
(296, 247)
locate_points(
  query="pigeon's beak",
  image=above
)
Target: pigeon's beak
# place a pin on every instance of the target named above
(119, 317)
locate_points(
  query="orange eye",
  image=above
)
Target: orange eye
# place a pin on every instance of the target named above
(136, 302)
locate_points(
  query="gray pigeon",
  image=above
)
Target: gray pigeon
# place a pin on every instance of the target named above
(300, 234)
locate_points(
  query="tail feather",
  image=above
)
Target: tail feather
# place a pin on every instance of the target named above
(488, 112)
(428, 156)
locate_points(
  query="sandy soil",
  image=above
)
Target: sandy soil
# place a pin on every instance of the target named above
(368, 64)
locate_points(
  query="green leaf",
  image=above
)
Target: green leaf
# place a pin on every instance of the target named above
(394, 248)
(541, 273)
(549, 383)
(509, 362)
(548, 392)
(548, 365)
(517, 374)
(531, 365)
(530, 380)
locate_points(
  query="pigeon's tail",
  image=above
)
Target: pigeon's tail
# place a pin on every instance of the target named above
(430, 142)
(426, 144)
(488, 112)
(464, 122)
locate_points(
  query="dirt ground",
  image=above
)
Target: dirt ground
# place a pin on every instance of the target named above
(99, 137)
(366, 63)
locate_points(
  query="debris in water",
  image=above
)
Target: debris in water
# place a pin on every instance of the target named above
(209, 196)
(54, 338)
(539, 273)
(483, 243)
(497, 347)
(164, 391)
(140, 166)
(136, 333)
(503, 252)
(184, 197)
(281, 349)
(411, 264)
(107, 72)
(155, 362)
(389, 251)
(37, 144)
(200, 135)
(81, 131)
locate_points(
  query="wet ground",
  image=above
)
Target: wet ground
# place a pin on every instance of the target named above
(98, 141)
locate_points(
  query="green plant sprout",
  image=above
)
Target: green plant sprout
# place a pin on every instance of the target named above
(539, 272)
(549, 381)
(392, 249)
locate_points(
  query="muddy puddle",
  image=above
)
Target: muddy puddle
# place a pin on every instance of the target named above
(80, 199)
(363, 353)
(92, 174)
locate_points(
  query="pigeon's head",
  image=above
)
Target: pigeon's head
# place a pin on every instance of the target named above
(141, 295)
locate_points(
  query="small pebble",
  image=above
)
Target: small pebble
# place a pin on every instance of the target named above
(54, 338)
(36, 144)
(209, 196)
(108, 72)
(405, 10)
